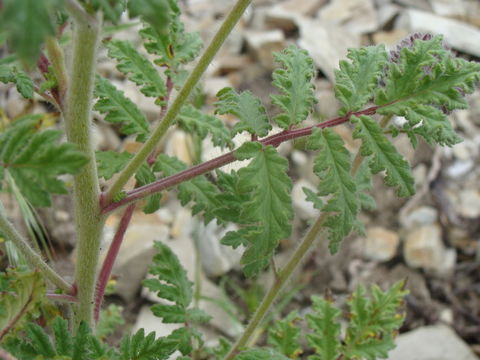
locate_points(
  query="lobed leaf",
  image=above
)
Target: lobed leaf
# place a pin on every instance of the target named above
(120, 109)
(357, 80)
(324, 324)
(195, 121)
(260, 354)
(199, 190)
(284, 337)
(111, 162)
(422, 79)
(295, 83)
(141, 347)
(137, 69)
(21, 80)
(144, 176)
(247, 108)
(157, 13)
(34, 160)
(384, 156)
(268, 211)
(112, 9)
(332, 166)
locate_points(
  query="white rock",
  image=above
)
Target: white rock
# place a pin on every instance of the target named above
(180, 145)
(212, 85)
(217, 259)
(303, 208)
(418, 4)
(326, 44)
(356, 16)
(302, 7)
(279, 17)
(380, 244)
(460, 168)
(437, 342)
(457, 34)
(135, 255)
(424, 215)
(424, 248)
(386, 13)
(469, 203)
(263, 44)
(449, 8)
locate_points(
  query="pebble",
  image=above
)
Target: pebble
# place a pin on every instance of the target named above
(380, 244)
(303, 208)
(424, 249)
(356, 16)
(423, 215)
(263, 43)
(437, 342)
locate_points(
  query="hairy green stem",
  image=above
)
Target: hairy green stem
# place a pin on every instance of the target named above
(57, 59)
(207, 57)
(283, 276)
(78, 119)
(33, 258)
(78, 13)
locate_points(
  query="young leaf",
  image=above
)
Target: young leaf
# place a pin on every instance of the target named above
(295, 83)
(137, 69)
(199, 189)
(21, 80)
(332, 166)
(119, 109)
(111, 162)
(373, 322)
(384, 156)
(284, 337)
(195, 121)
(356, 80)
(247, 108)
(35, 159)
(20, 293)
(230, 200)
(269, 208)
(27, 24)
(325, 338)
(63, 341)
(141, 347)
(422, 78)
(158, 13)
(260, 354)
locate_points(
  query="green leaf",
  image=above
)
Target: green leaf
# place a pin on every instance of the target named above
(111, 162)
(384, 156)
(247, 108)
(137, 69)
(21, 80)
(313, 198)
(27, 24)
(110, 319)
(20, 294)
(120, 109)
(34, 160)
(171, 282)
(295, 83)
(146, 176)
(260, 354)
(363, 180)
(112, 9)
(422, 78)
(269, 208)
(173, 47)
(284, 337)
(332, 166)
(357, 80)
(63, 340)
(157, 13)
(199, 190)
(231, 199)
(141, 347)
(325, 337)
(197, 122)
(374, 322)
(40, 340)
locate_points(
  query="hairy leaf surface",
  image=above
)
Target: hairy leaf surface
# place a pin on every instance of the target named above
(157, 13)
(112, 10)
(120, 109)
(384, 156)
(247, 108)
(356, 80)
(284, 337)
(268, 212)
(332, 166)
(294, 80)
(137, 69)
(260, 354)
(145, 347)
(111, 162)
(195, 121)
(21, 80)
(35, 159)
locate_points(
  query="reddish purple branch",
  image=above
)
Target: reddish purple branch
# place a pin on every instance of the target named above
(194, 171)
(107, 265)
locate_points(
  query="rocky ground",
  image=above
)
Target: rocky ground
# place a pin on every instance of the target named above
(432, 239)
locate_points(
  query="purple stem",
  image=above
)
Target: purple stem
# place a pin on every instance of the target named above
(107, 265)
(218, 162)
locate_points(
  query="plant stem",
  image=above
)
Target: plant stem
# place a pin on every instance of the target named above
(32, 257)
(207, 57)
(275, 140)
(77, 115)
(57, 59)
(283, 276)
(109, 261)
(78, 13)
